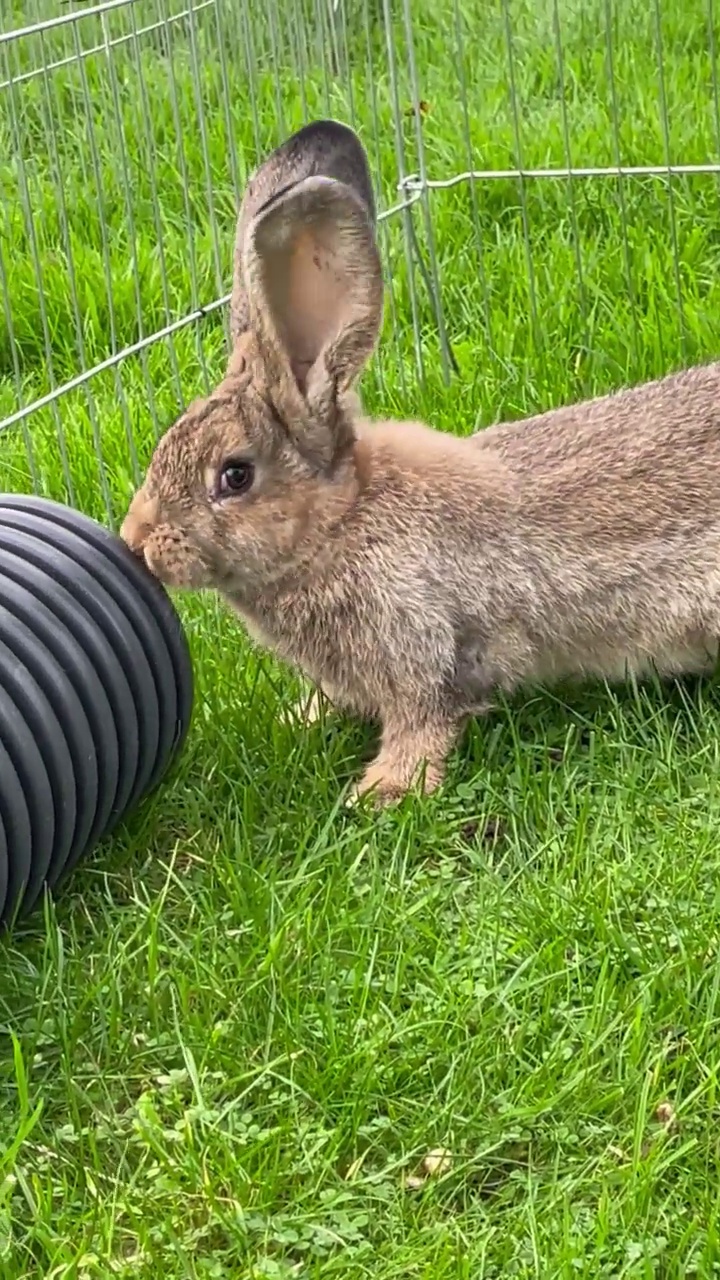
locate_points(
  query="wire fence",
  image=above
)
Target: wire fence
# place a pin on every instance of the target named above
(524, 152)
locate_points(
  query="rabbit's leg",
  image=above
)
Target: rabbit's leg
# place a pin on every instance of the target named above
(410, 752)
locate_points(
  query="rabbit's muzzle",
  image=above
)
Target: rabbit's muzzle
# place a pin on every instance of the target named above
(167, 551)
(139, 523)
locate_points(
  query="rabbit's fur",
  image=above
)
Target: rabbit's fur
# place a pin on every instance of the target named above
(410, 573)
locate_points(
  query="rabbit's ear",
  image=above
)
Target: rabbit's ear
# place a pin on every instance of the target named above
(324, 148)
(314, 280)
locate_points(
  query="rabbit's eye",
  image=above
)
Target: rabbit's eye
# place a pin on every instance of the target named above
(236, 476)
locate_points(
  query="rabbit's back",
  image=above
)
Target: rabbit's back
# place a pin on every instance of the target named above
(643, 463)
(607, 560)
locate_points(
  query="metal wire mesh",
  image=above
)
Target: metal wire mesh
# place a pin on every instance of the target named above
(128, 127)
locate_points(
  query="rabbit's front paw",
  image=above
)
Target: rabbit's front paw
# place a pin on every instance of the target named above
(412, 755)
(384, 783)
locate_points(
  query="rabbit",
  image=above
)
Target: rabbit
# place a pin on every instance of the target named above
(412, 574)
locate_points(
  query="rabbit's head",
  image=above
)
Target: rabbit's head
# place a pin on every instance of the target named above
(238, 487)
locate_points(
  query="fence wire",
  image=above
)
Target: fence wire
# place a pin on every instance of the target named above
(526, 156)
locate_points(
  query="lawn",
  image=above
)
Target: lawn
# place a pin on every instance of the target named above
(252, 1015)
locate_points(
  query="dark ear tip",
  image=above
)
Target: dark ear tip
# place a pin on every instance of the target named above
(332, 148)
(326, 128)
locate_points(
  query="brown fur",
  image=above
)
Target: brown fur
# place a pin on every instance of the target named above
(409, 573)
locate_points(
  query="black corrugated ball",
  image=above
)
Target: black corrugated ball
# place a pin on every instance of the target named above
(96, 691)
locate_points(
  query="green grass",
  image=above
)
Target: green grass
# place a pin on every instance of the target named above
(252, 1014)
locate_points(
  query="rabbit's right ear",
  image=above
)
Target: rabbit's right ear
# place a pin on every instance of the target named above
(315, 290)
(325, 149)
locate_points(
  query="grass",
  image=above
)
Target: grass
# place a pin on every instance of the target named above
(253, 1015)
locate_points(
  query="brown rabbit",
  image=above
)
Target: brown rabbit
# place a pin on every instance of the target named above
(407, 572)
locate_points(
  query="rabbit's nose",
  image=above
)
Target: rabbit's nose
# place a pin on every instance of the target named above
(139, 522)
